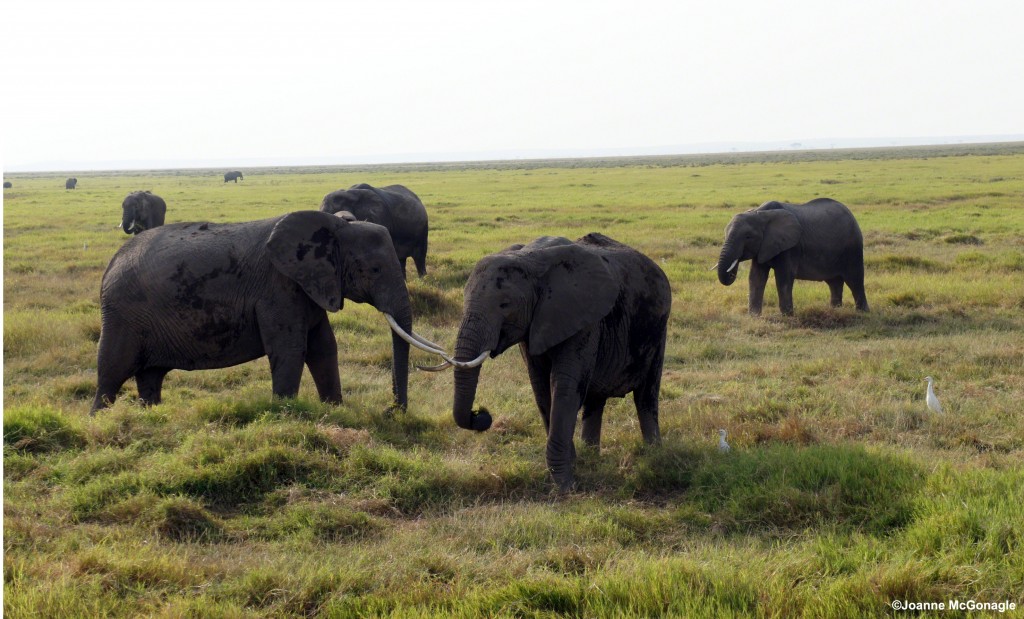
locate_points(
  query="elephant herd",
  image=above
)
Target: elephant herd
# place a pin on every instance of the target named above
(590, 316)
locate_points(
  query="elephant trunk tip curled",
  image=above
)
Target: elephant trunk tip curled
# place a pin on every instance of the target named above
(481, 419)
(727, 275)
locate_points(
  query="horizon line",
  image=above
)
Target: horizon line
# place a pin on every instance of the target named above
(518, 155)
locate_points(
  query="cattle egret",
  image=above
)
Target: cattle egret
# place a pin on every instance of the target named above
(722, 445)
(933, 402)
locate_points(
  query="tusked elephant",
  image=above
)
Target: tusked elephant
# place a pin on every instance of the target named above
(233, 176)
(196, 296)
(142, 210)
(590, 319)
(396, 208)
(816, 241)
(71, 183)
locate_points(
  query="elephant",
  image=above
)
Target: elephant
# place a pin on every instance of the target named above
(142, 210)
(816, 241)
(196, 296)
(233, 176)
(71, 183)
(590, 318)
(7, 185)
(396, 208)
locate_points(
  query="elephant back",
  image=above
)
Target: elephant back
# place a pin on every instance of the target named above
(826, 214)
(626, 262)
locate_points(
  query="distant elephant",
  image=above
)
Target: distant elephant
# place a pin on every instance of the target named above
(70, 183)
(590, 319)
(196, 296)
(233, 176)
(142, 210)
(394, 207)
(7, 185)
(817, 241)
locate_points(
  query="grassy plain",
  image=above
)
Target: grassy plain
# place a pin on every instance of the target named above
(842, 493)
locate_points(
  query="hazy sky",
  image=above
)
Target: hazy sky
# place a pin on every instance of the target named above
(106, 81)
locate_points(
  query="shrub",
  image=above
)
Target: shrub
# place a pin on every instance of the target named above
(963, 239)
(38, 429)
(182, 519)
(788, 487)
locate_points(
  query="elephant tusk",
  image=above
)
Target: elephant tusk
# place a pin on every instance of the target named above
(713, 267)
(425, 341)
(468, 364)
(448, 362)
(734, 263)
(120, 223)
(408, 338)
(434, 349)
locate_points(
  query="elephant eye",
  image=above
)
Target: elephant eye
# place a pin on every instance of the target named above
(504, 305)
(376, 269)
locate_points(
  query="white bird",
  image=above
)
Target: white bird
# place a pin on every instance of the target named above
(722, 445)
(933, 402)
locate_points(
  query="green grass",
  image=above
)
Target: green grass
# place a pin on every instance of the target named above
(842, 492)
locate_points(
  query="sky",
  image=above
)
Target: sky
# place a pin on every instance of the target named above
(111, 84)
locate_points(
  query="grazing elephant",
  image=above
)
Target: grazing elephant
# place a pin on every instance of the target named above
(590, 320)
(142, 210)
(196, 296)
(817, 241)
(7, 185)
(394, 207)
(70, 183)
(233, 176)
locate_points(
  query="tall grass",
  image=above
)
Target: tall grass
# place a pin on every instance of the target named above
(842, 492)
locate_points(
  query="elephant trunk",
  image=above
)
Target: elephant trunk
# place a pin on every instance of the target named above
(472, 341)
(400, 364)
(128, 221)
(399, 307)
(728, 263)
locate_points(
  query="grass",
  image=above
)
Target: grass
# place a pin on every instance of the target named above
(842, 492)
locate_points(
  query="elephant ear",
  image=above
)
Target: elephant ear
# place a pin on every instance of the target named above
(577, 291)
(304, 247)
(781, 232)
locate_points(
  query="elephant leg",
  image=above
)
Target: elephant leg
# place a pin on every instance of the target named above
(593, 411)
(322, 361)
(419, 257)
(539, 371)
(285, 374)
(150, 382)
(560, 451)
(645, 397)
(757, 280)
(784, 285)
(116, 363)
(287, 353)
(856, 284)
(835, 286)
(401, 266)
(571, 369)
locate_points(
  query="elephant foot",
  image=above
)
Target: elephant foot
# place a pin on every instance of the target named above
(565, 486)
